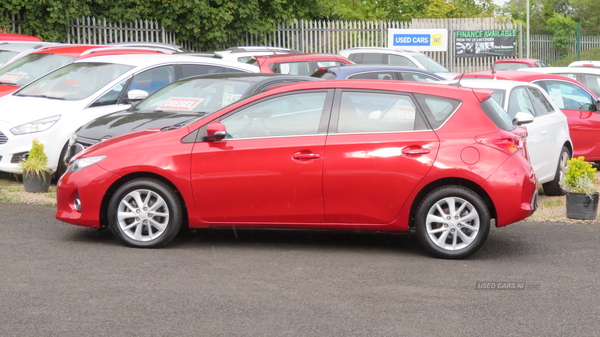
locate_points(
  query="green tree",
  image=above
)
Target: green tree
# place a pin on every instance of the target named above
(563, 28)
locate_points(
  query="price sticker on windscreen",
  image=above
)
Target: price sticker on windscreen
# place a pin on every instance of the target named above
(11, 77)
(181, 104)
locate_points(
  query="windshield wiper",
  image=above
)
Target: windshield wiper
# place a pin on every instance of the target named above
(44, 96)
(9, 83)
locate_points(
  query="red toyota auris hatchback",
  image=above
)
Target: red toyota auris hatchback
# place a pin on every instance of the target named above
(341, 155)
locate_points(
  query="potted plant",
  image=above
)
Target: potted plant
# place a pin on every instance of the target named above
(36, 174)
(582, 189)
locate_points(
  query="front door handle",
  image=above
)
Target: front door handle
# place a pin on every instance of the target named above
(300, 155)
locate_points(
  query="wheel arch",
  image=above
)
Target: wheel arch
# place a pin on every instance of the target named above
(446, 182)
(119, 182)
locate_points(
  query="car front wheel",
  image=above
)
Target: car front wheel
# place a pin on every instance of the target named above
(145, 213)
(553, 187)
(452, 222)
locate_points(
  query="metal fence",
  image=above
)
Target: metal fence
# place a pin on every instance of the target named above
(87, 30)
(541, 47)
(333, 36)
(320, 36)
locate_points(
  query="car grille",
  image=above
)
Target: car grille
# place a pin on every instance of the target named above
(3, 138)
(18, 157)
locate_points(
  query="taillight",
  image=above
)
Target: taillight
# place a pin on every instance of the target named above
(508, 142)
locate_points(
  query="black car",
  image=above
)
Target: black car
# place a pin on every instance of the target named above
(190, 98)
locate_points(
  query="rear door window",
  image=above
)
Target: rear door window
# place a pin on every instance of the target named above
(401, 61)
(362, 112)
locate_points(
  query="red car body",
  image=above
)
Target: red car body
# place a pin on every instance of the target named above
(516, 63)
(18, 37)
(72, 51)
(301, 64)
(338, 181)
(584, 125)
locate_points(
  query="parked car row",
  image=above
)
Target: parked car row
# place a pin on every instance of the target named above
(143, 138)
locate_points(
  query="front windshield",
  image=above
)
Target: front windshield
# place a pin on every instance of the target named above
(195, 95)
(75, 81)
(31, 67)
(430, 65)
(6, 56)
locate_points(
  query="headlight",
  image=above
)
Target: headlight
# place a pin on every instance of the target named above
(35, 126)
(81, 163)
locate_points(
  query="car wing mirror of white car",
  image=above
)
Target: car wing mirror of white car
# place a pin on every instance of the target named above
(522, 118)
(136, 95)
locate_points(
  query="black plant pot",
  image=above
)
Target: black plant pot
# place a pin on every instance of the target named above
(581, 206)
(35, 184)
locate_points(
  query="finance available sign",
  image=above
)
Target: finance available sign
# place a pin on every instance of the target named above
(482, 43)
(418, 39)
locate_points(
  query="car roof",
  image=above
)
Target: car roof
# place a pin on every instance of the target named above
(169, 46)
(144, 60)
(23, 46)
(70, 49)
(491, 83)
(300, 56)
(518, 60)
(356, 68)
(429, 88)
(526, 76)
(565, 70)
(585, 64)
(382, 49)
(251, 49)
(251, 77)
(18, 37)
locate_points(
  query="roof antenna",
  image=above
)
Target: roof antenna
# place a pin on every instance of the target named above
(459, 79)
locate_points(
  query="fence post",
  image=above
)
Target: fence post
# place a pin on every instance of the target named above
(578, 42)
(520, 26)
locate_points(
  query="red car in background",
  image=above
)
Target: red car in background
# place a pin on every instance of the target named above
(297, 64)
(578, 103)
(517, 63)
(18, 37)
(365, 155)
(38, 63)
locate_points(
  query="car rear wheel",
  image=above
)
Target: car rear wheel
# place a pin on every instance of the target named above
(145, 213)
(553, 187)
(452, 222)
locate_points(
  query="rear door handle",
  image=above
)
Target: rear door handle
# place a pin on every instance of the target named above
(415, 150)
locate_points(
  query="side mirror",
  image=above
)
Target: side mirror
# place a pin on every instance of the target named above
(522, 118)
(597, 105)
(136, 95)
(215, 132)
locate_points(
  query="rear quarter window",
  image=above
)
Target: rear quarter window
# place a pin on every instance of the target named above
(437, 109)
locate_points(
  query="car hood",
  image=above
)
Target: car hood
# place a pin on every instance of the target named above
(17, 110)
(123, 122)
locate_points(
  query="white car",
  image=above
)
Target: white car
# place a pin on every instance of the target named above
(548, 141)
(396, 56)
(245, 53)
(588, 76)
(10, 51)
(593, 64)
(51, 108)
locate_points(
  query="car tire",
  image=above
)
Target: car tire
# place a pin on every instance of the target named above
(553, 188)
(61, 168)
(452, 222)
(145, 213)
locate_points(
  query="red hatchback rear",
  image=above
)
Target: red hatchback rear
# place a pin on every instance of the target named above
(339, 155)
(298, 64)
